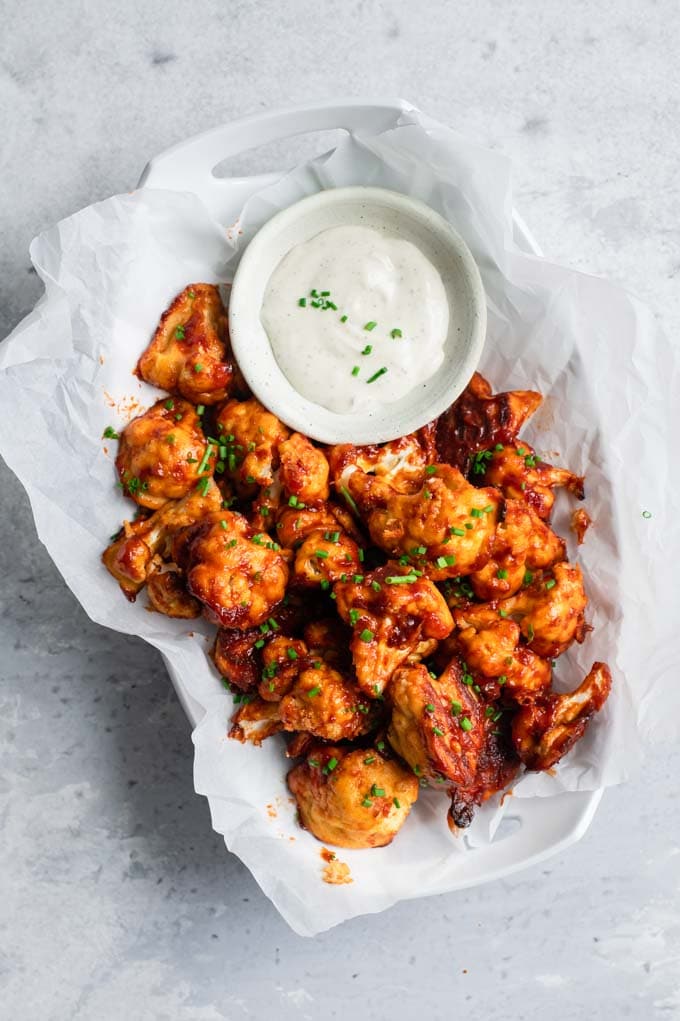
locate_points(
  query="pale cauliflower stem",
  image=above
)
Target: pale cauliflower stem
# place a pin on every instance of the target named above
(394, 610)
(353, 799)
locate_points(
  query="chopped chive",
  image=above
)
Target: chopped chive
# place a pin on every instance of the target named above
(348, 496)
(313, 692)
(377, 792)
(396, 802)
(457, 531)
(353, 616)
(203, 485)
(528, 578)
(380, 745)
(468, 525)
(259, 644)
(370, 325)
(322, 554)
(179, 332)
(325, 294)
(437, 732)
(429, 708)
(431, 469)
(170, 404)
(456, 708)
(367, 350)
(366, 635)
(223, 524)
(302, 302)
(291, 653)
(550, 584)
(331, 764)
(401, 579)
(357, 579)
(369, 760)
(376, 586)
(367, 802)
(361, 556)
(502, 679)
(377, 375)
(343, 319)
(110, 433)
(502, 574)
(314, 293)
(395, 333)
(292, 501)
(465, 724)
(355, 370)
(476, 513)
(646, 514)
(198, 367)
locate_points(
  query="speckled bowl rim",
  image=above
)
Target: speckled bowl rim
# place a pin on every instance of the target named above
(303, 220)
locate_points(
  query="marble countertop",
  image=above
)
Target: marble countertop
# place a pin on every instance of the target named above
(118, 900)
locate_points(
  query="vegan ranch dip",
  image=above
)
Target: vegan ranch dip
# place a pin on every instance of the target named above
(356, 318)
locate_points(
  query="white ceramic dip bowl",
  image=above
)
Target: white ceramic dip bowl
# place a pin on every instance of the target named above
(398, 216)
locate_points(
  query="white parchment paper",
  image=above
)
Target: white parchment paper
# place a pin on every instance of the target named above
(611, 411)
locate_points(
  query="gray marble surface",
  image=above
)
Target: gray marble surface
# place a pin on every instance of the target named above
(117, 900)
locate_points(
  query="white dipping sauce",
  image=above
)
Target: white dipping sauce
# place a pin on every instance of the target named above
(373, 278)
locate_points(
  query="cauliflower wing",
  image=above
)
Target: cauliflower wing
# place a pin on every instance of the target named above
(283, 658)
(168, 594)
(160, 453)
(354, 799)
(522, 541)
(296, 521)
(250, 436)
(304, 470)
(447, 527)
(239, 577)
(479, 419)
(392, 612)
(189, 354)
(400, 463)
(494, 653)
(328, 705)
(129, 558)
(325, 557)
(520, 474)
(550, 611)
(546, 729)
(445, 733)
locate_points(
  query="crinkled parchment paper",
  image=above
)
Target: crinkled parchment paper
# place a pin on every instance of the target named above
(610, 382)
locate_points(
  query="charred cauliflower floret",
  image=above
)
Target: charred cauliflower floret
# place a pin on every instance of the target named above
(168, 594)
(520, 474)
(325, 557)
(327, 704)
(239, 580)
(394, 615)
(522, 542)
(479, 420)
(494, 653)
(550, 611)
(304, 470)
(160, 453)
(445, 733)
(546, 729)
(130, 558)
(446, 528)
(400, 463)
(282, 660)
(189, 354)
(296, 521)
(321, 702)
(251, 436)
(352, 799)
